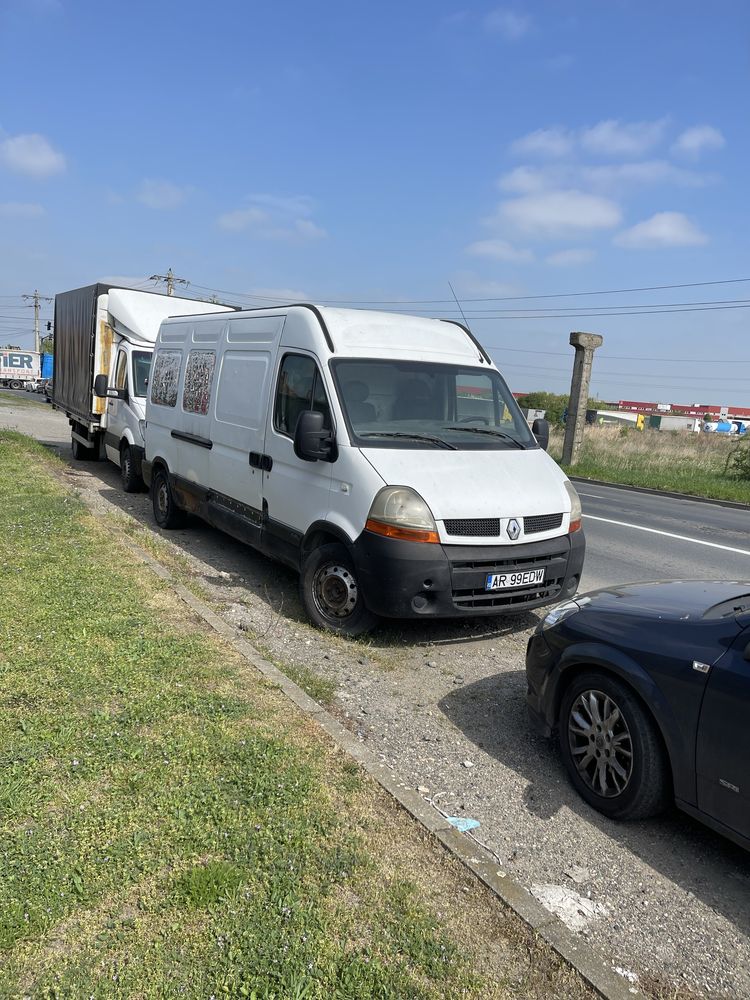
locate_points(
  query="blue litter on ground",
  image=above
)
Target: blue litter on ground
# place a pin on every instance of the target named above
(463, 823)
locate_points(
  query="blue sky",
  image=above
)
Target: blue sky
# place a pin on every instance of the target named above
(377, 152)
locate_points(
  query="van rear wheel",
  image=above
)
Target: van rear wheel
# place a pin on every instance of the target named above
(131, 480)
(330, 593)
(166, 512)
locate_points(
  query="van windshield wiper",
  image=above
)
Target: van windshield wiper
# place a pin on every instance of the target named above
(411, 437)
(486, 430)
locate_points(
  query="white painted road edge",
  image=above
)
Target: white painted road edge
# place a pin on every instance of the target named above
(669, 534)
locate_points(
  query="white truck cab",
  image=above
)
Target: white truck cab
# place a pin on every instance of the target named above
(382, 456)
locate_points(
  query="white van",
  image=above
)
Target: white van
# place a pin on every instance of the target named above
(382, 456)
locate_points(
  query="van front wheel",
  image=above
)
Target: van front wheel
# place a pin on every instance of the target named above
(166, 512)
(330, 593)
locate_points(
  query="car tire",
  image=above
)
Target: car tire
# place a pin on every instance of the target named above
(131, 480)
(612, 748)
(330, 593)
(166, 512)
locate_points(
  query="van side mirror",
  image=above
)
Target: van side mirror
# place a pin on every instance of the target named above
(311, 441)
(103, 391)
(540, 430)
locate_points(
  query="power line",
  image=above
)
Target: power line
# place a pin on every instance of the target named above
(687, 378)
(624, 357)
(505, 298)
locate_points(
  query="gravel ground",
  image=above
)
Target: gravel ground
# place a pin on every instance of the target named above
(665, 900)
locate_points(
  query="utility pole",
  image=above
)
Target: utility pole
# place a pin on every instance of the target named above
(37, 299)
(170, 280)
(585, 344)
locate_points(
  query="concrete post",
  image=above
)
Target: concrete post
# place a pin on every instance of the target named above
(585, 345)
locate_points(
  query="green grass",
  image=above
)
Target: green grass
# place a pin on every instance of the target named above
(674, 461)
(168, 827)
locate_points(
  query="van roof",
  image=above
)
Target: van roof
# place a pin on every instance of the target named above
(364, 332)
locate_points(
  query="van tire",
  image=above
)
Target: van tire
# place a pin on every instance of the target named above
(166, 512)
(131, 480)
(330, 594)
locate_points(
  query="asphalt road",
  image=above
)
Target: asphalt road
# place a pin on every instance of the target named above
(443, 703)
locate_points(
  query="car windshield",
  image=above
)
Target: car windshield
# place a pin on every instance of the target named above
(398, 404)
(141, 370)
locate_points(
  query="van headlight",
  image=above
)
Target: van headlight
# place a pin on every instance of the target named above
(575, 507)
(400, 512)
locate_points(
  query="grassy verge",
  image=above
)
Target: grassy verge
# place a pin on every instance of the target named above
(674, 461)
(168, 827)
(16, 398)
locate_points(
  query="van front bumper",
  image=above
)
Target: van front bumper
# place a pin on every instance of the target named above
(414, 579)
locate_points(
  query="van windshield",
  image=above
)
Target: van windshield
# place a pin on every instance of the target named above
(398, 404)
(141, 370)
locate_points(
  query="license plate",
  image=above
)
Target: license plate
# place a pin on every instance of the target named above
(502, 581)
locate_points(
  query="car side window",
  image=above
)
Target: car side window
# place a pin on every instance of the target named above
(300, 387)
(121, 372)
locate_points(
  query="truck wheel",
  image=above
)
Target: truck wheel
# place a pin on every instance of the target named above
(166, 512)
(131, 480)
(330, 594)
(80, 453)
(15, 384)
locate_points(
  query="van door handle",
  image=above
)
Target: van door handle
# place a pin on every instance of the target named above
(258, 461)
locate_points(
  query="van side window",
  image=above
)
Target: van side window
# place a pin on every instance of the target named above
(121, 373)
(164, 379)
(199, 374)
(300, 388)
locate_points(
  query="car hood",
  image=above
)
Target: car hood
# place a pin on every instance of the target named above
(672, 600)
(476, 483)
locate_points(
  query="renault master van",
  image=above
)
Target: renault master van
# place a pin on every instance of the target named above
(381, 456)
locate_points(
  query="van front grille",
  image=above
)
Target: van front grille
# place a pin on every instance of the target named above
(541, 522)
(476, 526)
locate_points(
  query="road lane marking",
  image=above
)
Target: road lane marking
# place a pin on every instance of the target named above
(594, 496)
(669, 534)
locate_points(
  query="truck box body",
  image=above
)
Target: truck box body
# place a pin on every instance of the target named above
(18, 367)
(107, 330)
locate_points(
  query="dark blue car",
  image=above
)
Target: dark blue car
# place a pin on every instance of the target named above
(648, 688)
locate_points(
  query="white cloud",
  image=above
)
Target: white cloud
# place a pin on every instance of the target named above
(693, 141)
(554, 141)
(557, 213)
(468, 283)
(499, 250)
(601, 179)
(271, 217)
(242, 218)
(20, 210)
(570, 258)
(507, 23)
(643, 173)
(162, 195)
(31, 154)
(665, 229)
(616, 138)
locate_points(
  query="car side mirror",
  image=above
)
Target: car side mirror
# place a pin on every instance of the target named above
(311, 442)
(540, 430)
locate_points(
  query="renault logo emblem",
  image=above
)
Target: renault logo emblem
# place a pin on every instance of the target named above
(514, 529)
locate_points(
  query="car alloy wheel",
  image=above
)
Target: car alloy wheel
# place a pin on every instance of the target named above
(600, 743)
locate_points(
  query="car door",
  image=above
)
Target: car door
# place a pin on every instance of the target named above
(296, 493)
(115, 409)
(723, 744)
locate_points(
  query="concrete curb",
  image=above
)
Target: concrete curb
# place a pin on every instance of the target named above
(736, 505)
(572, 949)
